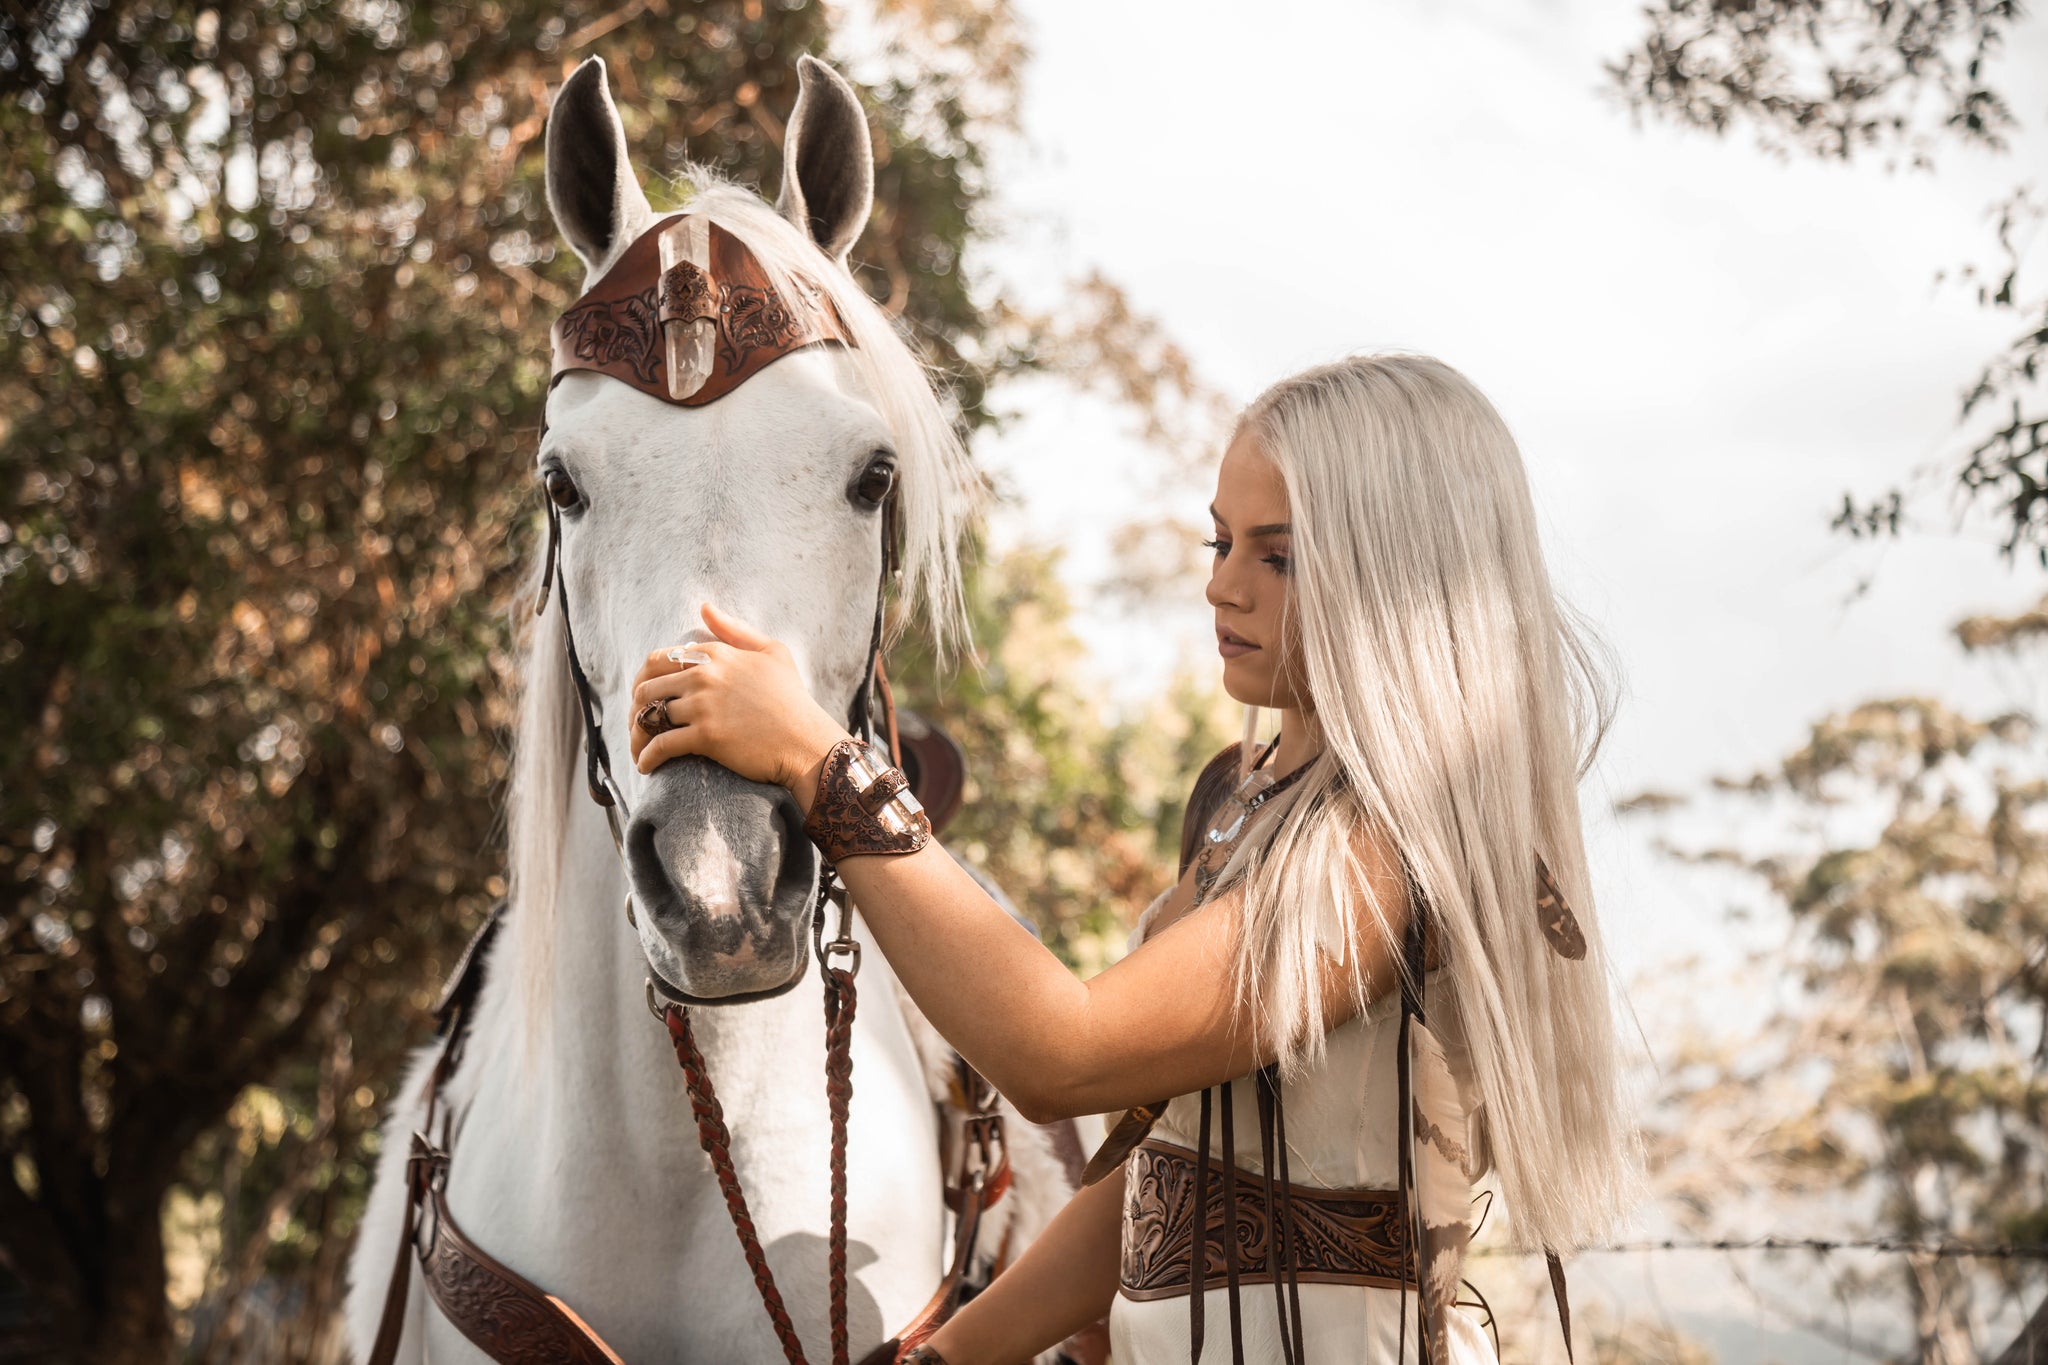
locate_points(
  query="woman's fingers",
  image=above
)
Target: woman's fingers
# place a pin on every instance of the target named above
(668, 690)
(735, 699)
(684, 739)
(637, 735)
(668, 675)
(674, 659)
(679, 712)
(732, 630)
(657, 662)
(680, 683)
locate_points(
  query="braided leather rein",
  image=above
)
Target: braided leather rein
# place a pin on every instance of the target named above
(840, 993)
(716, 1141)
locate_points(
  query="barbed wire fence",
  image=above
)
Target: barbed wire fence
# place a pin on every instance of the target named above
(2029, 1348)
(2012, 1251)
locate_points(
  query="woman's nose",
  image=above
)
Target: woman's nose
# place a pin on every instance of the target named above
(1223, 589)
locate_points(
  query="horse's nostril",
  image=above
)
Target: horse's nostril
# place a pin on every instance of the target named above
(710, 867)
(722, 876)
(798, 865)
(652, 884)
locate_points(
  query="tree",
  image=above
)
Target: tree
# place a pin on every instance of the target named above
(1842, 79)
(1898, 939)
(273, 312)
(1897, 1076)
(272, 324)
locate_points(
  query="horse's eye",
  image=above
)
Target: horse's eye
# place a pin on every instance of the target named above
(876, 481)
(561, 488)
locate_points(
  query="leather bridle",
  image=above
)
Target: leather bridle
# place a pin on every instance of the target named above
(686, 315)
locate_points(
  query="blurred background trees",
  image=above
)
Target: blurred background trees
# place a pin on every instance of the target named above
(275, 291)
(1896, 1077)
(1894, 1083)
(1902, 82)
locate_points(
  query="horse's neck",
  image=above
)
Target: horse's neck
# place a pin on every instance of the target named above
(576, 1157)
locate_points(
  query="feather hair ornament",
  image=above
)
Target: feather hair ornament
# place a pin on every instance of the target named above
(1441, 1182)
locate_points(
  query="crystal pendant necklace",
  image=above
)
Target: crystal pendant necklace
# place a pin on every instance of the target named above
(1257, 788)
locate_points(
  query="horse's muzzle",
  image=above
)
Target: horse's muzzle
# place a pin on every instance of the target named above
(722, 875)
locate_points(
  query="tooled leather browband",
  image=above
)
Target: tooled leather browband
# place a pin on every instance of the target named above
(713, 308)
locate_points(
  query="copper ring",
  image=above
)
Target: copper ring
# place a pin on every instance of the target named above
(653, 718)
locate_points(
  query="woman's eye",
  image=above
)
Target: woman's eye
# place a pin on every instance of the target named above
(1279, 562)
(876, 482)
(1221, 547)
(561, 488)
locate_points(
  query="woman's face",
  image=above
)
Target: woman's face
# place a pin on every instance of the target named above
(1251, 579)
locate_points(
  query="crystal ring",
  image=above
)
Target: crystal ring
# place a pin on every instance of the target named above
(687, 657)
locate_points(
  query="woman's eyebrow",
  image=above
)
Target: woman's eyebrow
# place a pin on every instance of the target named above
(1273, 528)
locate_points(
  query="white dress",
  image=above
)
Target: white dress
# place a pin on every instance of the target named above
(1341, 1133)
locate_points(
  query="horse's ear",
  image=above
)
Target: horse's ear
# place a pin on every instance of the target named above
(828, 164)
(596, 199)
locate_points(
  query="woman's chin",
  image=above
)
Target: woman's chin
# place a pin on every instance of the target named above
(1246, 686)
(1250, 686)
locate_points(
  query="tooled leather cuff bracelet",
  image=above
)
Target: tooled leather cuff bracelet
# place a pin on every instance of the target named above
(864, 805)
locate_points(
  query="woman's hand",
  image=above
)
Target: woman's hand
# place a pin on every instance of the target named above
(743, 707)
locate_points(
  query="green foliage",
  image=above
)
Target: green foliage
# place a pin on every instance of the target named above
(1830, 78)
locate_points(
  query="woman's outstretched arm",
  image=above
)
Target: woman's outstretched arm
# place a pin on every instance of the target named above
(1063, 1282)
(1160, 1022)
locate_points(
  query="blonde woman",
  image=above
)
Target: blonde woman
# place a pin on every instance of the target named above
(1385, 905)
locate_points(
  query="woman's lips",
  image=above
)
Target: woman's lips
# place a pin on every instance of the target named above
(1229, 646)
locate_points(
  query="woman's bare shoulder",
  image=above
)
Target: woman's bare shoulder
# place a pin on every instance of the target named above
(1387, 899)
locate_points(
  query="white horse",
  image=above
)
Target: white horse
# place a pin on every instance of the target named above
(575, 1157)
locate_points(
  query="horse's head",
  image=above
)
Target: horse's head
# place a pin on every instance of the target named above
(767, 501)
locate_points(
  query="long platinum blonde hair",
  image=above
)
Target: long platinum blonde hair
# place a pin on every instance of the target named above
(1457, 703)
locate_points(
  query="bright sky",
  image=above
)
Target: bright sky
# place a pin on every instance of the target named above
(1699, 348)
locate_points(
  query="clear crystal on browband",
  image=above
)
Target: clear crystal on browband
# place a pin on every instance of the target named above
(688, 305)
